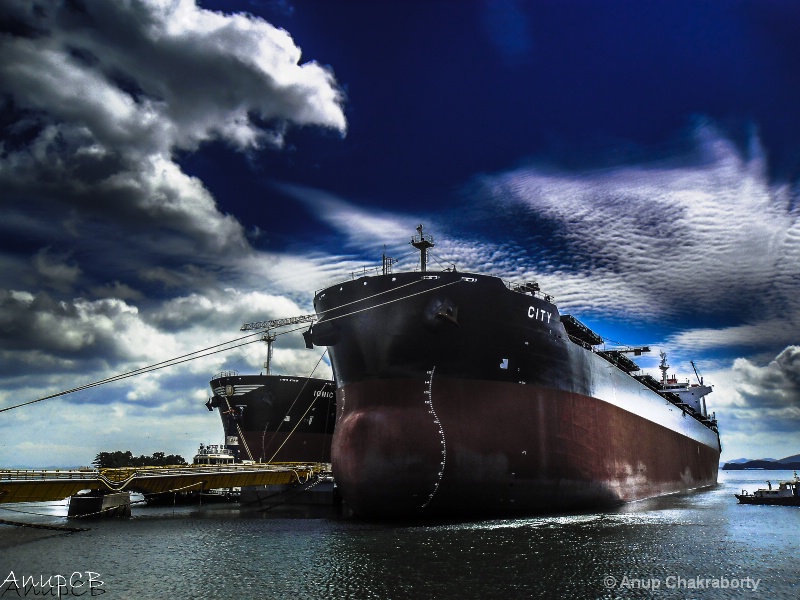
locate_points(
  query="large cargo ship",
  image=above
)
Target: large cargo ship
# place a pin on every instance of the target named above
(461, 394)
(275, 418)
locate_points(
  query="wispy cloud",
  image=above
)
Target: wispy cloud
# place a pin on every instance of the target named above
(699, 234)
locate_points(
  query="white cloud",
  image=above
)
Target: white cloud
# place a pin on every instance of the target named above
(703, 234)
(37, 332)
(161, 75)
(100, 98)
(769, 333)
(50, 346)
(758, 406)
(58, 434)
(116, 336)
(773, 386)
(671, 237)
(363, 228)
(105, 96)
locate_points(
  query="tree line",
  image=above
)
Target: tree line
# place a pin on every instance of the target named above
(109, 460)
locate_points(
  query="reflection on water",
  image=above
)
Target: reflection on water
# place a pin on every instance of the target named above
(219, 552)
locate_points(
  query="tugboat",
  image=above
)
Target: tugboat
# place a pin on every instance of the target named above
(214, 454)
(787, 494)
(208, 455)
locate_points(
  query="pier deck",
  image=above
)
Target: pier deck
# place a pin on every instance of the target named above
(25, 485)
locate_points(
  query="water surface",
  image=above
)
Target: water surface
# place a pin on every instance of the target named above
(662, 548)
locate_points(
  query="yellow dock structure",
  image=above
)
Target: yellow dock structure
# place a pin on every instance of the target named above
(23, 485)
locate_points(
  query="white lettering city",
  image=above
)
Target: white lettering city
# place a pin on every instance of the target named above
(538, 314)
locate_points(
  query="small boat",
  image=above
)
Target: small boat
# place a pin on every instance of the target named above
(214, 454)
(207, 455)
(786, 494)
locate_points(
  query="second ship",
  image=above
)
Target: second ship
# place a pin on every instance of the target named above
(461, 394)
(275, 418)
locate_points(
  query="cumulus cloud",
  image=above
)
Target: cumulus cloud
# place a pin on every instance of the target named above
(775, 386)
(163, 75)
(109, 329)
(111, 334)
(118, 257)
(758, 405)
(100, 96)
(48, 346)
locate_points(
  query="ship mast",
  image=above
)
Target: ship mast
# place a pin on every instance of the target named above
(269, 338)
(388, 261)
(664, 368)
(422, 242)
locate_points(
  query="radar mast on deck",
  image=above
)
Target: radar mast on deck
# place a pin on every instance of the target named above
(422, 242)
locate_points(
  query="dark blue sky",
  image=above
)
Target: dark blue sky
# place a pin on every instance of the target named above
(169, 171)
(439, 91)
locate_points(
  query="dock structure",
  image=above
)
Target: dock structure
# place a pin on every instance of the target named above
(25, 485)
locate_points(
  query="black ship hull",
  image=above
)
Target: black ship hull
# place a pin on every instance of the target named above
(459, 396)
(276, 418)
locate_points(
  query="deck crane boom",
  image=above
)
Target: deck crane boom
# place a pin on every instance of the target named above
(265, 326)
(637, 350)
(696, 374)
(275, 323)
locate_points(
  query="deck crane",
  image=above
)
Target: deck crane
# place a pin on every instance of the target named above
(619, 358)
(636, 350)
(696, 374)
(275, 323)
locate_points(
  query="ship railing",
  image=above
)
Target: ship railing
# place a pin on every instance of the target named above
(353, 275)
(422, 237)
(222, 374)
(581, 343)
(364, 272)
(375, 270)
(529, 288)
(36, 474)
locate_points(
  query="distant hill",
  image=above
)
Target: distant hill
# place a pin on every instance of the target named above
(790, 459)
(768, 465)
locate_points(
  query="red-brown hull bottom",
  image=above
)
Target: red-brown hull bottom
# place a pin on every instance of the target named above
(404, 448)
